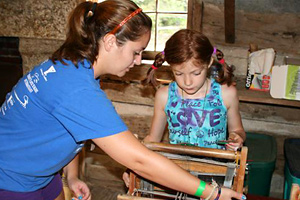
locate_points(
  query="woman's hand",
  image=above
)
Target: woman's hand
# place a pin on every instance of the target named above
(237, 141)
(228, 194)
(80, 190)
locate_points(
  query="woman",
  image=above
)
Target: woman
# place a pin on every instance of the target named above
(59, 104)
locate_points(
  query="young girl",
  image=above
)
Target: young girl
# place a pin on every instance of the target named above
(196, 106)
(57, 106)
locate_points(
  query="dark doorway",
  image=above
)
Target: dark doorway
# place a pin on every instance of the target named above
(10, 65)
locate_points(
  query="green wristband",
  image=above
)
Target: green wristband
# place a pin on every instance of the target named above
(200, 188)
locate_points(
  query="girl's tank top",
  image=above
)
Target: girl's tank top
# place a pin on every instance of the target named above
(199, 122)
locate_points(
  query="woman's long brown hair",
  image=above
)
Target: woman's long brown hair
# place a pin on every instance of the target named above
(89, 22)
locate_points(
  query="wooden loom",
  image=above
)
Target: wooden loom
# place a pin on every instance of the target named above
(198, 161)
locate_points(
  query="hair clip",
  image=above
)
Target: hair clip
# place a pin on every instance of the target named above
(163, 52)
(222, 61)
(153, 67)
(215, 51)
(219, 55)
(92, 11)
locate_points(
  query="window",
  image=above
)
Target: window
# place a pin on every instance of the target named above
(167, 16)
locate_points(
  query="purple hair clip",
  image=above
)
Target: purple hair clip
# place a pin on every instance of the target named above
(163, 52)
(215, 51)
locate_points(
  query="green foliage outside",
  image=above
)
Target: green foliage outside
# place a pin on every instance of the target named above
(167, 23)
(163, 5)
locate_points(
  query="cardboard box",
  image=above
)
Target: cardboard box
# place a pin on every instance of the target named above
(259, 72)
(285, 82)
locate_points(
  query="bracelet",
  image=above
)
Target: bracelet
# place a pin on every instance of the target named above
(219, 194)
(212, 192)
(200, 188)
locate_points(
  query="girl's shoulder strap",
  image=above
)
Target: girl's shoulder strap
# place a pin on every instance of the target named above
(217, 87)
(172, 86)
(214, 83)
(173, 90)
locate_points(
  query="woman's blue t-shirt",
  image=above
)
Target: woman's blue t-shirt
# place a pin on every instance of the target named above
(45, 120)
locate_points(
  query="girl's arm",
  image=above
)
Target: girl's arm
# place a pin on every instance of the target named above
(159, 119)
(128, 151)
(235, 126)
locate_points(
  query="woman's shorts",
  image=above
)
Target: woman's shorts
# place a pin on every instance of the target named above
(49, 192)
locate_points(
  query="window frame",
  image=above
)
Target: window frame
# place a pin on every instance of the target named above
(156, 13)
(194, 21)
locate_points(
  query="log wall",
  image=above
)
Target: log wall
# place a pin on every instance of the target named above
(40, 25)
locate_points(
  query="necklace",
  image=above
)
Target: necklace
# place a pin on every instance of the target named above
(184, 110)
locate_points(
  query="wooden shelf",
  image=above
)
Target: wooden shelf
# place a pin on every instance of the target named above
(245, 95)
(252, 96)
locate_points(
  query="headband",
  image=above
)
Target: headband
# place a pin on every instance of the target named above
(137, 11)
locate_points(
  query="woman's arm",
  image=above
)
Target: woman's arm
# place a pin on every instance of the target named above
(159, 119)
(128, 151)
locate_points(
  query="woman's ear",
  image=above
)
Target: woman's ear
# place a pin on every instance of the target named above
(109, 41)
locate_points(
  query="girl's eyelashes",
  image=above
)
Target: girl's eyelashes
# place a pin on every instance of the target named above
(177, 73)
(197, 73)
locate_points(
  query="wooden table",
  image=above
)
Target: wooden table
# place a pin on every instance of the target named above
(255, 197)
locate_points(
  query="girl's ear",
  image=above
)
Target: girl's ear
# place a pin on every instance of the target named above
(211, 62)
(109, 41)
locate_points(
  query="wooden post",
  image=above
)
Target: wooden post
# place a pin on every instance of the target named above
(229, 12)
(241, 170)
(195, 15)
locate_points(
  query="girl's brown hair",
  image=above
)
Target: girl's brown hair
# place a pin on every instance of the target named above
(188, 44)
(89, 22)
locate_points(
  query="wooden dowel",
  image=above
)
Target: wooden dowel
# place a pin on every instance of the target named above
(127, 197)
(201, 167)
(192, 150)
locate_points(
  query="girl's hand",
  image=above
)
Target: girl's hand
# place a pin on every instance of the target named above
(237, 142)
(80, 190)
(228, 194)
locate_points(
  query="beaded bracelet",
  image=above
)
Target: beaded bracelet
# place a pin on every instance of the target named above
(212, 192)
(200, 188)
(219, 194)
